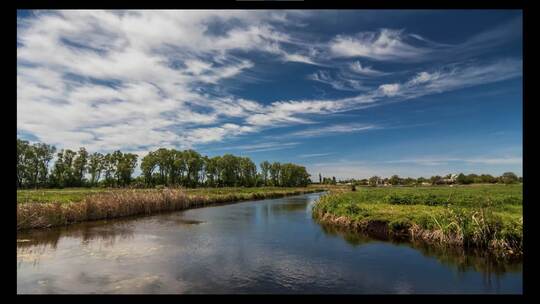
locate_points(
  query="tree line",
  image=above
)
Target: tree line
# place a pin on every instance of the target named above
(167, 167)
(450, 179)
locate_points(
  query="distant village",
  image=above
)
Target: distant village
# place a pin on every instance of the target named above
(450, 179)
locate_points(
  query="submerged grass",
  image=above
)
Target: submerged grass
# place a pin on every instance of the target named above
(486, 217)
(42, 209)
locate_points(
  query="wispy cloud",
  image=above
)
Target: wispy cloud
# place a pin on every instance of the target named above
(333, 129)
(338, 84)
(260, 147)
(385, 44)
(358, 68)
(314, 155)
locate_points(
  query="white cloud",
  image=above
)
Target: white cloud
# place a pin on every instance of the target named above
(338, 84)
(386, 44)
(364, 70)
(389, 89)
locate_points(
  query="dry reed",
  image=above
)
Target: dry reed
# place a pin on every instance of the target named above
(123, 203)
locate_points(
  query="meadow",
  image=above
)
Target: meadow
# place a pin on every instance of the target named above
(45, 208)
(486, 217)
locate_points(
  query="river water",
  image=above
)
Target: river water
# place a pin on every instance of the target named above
(267, 246)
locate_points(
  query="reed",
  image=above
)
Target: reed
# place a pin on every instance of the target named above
(121, 203)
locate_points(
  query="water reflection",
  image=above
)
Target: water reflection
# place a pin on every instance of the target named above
(106, 232)
(463, 260)
(270, 246)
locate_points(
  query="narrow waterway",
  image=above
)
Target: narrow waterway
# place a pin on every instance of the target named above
(268, 246)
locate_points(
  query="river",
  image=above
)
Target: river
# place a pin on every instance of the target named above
(267, 246)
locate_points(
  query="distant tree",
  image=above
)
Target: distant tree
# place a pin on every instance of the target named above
(275, 172)
(474, 178)
(409, 181)
(80, 167)
(436, 180)
(33, 164)
(95, 166)
(486, 178)
(320, 178)
(463, 179)
(125, 165)
(265, 169)
(394, 180)
(333, 180)
(374, 180)
(509, 178)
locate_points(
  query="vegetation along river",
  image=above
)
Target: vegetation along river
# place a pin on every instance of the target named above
(267, 246)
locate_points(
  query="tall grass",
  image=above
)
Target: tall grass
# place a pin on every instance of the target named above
(488, 218)
(121, 203)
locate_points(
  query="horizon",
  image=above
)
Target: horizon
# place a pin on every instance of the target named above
(407, 93)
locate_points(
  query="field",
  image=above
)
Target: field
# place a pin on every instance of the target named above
(53, 207)
(488, 217)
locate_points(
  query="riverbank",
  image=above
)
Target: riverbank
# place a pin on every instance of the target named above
(50, 208)
(488, 218)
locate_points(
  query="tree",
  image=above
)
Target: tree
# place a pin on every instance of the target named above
(509, 178)
(95, 166)
(394, 180)
(79, 167)
(126, 163)
(148, 164)
(320, 179)
(33, 163)
(248, 172)
(436, 180)
(109, 169)
(265, 169)
(486, 178)
(275, 172)
(163, 166)
(462, 179)
(22, 154)
(373, 181)
(63, 174)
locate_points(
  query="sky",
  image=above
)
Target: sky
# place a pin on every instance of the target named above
(347, 93)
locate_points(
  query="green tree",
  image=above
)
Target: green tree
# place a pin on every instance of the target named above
(275, 174)
(463, 179)
(80, 167)
(394, 180)
(509, 178)
(265, 169)
(33, 163)
(125, 165)
(373, 181)
(95, 167)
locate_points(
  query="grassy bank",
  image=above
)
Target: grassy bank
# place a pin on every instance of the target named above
(488, 217)
(49, 208)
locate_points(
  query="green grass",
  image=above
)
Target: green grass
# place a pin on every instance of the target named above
(482, 216)
(74, 195)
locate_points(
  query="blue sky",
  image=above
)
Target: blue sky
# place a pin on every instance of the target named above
(345, 93)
